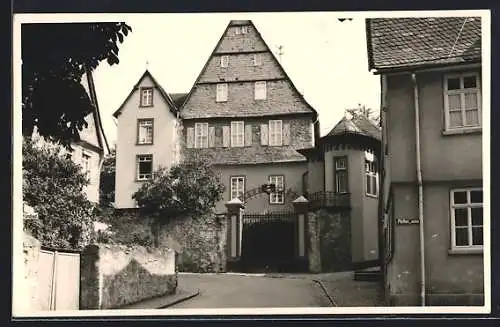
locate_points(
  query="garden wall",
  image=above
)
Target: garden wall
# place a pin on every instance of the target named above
(116, 275)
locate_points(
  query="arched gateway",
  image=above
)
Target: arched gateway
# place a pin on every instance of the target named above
(267, 241)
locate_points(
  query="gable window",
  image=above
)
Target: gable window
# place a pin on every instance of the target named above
(146, 97)
(275, 132)
(224, 61)
(466, 208)
(341, 185)
(371, 175)
(241, 30)
(144, 167)
(237, 133)
(145, 131)
(201, 135)
(86, 162)
(260, 90)
(237, 187)
(462, 101)
(279, 183)
(257, 59)
(221, 92)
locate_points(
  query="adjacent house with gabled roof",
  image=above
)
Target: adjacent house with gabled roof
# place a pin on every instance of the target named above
(148, 129)
(431, 185)
(246, 116)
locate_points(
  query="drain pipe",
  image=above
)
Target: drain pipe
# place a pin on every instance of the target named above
(420, 190)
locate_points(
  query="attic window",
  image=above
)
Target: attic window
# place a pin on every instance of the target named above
(257, 59)
(241, 30)
(146, 97)
(224, 61)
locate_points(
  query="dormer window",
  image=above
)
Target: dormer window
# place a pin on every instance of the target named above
(146, 97)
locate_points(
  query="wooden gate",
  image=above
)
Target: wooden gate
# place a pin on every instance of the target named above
(269, 242)
(59, 280)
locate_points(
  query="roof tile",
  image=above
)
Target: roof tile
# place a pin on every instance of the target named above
(408, 42)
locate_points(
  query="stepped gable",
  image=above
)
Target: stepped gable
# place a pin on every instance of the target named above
(242, 50)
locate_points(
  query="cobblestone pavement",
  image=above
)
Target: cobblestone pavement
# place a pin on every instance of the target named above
(241, 291)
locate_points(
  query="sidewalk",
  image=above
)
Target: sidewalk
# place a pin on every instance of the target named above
(163, 301)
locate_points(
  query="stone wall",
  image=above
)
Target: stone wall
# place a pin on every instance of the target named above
(31, 251)
(116, 275)
(329, 241)
(200, 242)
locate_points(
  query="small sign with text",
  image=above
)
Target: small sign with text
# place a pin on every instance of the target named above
(407, 221)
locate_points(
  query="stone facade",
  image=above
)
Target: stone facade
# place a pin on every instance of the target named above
(113, 275)
(329, 241)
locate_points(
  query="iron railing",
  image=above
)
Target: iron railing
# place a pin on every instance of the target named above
(324, 199)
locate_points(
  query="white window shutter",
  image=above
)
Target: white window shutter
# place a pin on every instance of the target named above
(264, 137)
(286, 134)
(248, 135)
(225, 136)
(190, 138)
(211, 137)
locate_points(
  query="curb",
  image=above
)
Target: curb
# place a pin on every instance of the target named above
(181, 299)
(330, 298)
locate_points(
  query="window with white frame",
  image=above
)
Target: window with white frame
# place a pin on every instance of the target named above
(145, 131)
(147, 97)
(275, 133)
(462, 101)
(221, 92)
(144, 167)
(237, 187)
(371, 174)
(260, 90)
(201, 135)
(277, 197)
(341, 182)
(241, 30)
(86, 162)
(224, 61)
(237, 133)
(257, 59)
(466, 208)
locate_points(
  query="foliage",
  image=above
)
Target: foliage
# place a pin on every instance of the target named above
(362, 110)
(54, 59)
(107, 180)
(53, 185)
(190, 188)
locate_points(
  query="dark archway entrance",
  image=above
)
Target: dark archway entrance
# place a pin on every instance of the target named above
(269, 241)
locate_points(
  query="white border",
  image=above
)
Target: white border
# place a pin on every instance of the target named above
(17, 175)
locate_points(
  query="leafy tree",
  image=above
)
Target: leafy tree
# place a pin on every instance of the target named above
(53, 185)
(54, 59)
(364, 111)
(190, 188)
(107, 180)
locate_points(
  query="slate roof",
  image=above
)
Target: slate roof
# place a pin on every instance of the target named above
(172, 106)
(357, 125)
(420, 42)
(178, 98)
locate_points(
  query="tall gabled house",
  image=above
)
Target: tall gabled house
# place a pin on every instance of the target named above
(147, 139)
(432, 195)
(245, 115)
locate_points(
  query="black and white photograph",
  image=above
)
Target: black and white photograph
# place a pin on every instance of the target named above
(173, 164)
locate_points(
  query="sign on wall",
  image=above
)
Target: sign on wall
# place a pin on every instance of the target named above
(407, 221)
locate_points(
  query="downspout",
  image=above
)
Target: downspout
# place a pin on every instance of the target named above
(382, 195)
(420, 190)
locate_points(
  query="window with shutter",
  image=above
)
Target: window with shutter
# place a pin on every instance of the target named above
(257, 59)
(224, 61)
(275, 133)
(221, 95)
(260, 90)
(201, 135)
(237, 134)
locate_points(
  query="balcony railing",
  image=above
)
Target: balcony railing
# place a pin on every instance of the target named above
(324, 199)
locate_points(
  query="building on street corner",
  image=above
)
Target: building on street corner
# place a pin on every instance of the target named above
(431, 185)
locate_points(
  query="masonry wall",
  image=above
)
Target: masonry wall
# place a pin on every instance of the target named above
(113, 275)
(31, 251)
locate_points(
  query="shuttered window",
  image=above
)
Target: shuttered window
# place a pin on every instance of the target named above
(221, 92)
(201, 135)
(275, 133)
(260, 90)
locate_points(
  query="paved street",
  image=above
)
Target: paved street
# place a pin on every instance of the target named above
(234, 291)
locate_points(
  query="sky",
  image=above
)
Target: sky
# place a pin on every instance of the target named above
(326, 59)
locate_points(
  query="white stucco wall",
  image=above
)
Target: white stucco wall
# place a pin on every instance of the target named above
(164, 149)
